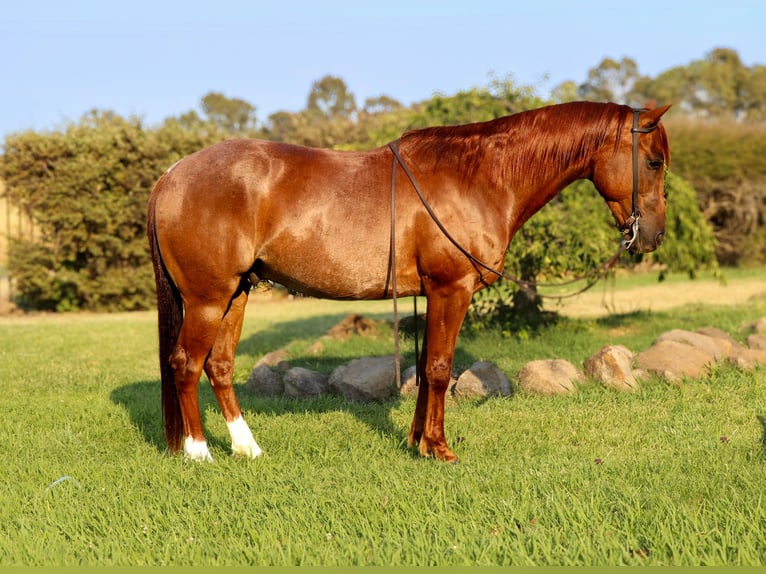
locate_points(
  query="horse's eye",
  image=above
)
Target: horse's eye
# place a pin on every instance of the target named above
(655, 164)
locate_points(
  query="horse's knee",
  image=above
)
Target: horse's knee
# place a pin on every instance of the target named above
(178, 360)
(438, 373)
(183, 367)
(220, 371)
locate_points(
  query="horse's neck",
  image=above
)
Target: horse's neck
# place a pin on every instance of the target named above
(537, 168)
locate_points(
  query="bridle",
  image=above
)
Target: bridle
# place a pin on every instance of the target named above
(630, 228)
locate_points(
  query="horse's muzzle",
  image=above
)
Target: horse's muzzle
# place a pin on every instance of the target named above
(644, 242)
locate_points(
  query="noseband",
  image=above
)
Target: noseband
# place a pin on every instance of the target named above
(630, 227)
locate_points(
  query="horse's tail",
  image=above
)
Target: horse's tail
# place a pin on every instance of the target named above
(170, 318)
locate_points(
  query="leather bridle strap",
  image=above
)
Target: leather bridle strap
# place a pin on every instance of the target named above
(631, 224)
(592, 277)
(392, 276)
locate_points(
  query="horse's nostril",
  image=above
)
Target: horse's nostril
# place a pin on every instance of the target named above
(658, 238)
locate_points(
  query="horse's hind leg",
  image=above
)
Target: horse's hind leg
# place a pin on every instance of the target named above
(198, 333)
(220, 370)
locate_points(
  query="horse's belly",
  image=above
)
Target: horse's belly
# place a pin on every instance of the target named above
(337, 276)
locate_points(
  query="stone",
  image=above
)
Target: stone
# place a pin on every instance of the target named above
(276, 358)
(612, 366)
(302, 383)
(482, 379)
(673, 361)
(353, 324)
(265, 382)
(549, 377)
(759, 327)
(715, 347)
(409, 388)
(748, 359)
(718, 334)
(757, 341)
(367, 379)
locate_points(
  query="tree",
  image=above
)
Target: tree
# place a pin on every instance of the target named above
(330, 97)
(610, 81)
(718, 86)
(566, 91)
(381, 105)
(230, 114)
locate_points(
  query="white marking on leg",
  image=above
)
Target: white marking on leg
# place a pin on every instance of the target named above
(242, 441)
(197, 450)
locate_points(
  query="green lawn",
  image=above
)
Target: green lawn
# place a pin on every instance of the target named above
(671, 475)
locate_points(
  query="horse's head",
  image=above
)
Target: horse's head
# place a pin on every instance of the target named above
(631, 178)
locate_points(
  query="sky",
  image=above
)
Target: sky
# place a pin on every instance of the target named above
(157, 58)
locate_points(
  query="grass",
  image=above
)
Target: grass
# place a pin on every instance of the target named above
(671, 475)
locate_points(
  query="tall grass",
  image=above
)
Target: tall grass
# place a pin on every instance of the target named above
(671, 475)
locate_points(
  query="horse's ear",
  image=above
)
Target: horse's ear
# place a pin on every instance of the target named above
(652, 117)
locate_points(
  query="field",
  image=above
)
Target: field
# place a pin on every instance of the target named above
(671, 475)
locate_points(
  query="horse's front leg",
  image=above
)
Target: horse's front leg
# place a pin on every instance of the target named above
(419, 418)
(447, 306)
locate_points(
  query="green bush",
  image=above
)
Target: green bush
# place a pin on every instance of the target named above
(572, 236)
(86, 189)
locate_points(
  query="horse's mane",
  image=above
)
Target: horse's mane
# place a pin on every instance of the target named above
(527, 144)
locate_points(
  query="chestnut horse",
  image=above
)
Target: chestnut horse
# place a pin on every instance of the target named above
(319, 222)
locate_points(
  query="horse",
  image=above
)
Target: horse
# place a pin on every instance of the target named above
(340, 224)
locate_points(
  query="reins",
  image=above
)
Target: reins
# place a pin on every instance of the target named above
(631, 226)
(525, 285)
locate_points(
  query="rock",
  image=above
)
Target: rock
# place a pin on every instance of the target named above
(715, 347)
(265, 381)
(672, 360)
(740, 355)
(759, 327)
(276, 358)
(353, 325)
(409, 388)
(367, 379)
(300, 383)
(745, 358)
(718, 334)
(482, 379)
(549, 377)
(757, 341)
(612, 366)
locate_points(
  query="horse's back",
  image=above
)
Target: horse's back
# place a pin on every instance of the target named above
(311, 219)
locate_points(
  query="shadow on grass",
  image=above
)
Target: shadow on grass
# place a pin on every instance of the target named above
(762, 420)
(142, 399)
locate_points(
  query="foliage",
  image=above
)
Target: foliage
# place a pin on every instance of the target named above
(601, 478)
(724, 162)
(86, 190)
(610, 81)
(718, 86)
(571, 237)
(689, 244)
(230, 114)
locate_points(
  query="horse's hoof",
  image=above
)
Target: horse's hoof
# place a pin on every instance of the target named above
(196, 450)
(249, 450)
(439, 452)
(450, 458)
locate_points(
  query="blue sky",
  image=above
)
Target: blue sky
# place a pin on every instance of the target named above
(157, 58)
